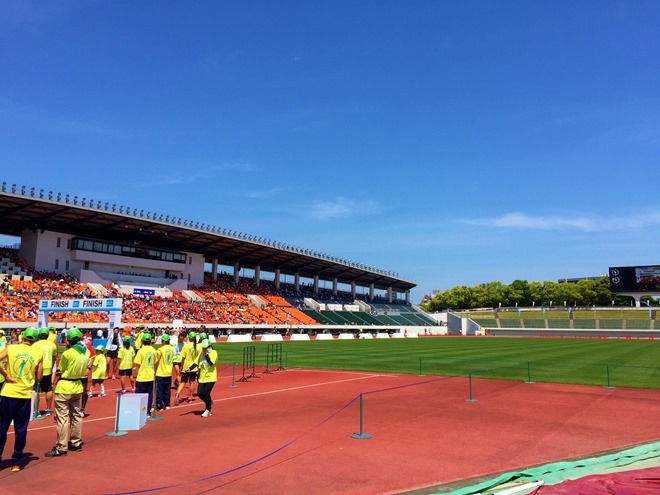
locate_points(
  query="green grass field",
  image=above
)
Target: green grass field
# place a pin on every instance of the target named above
(618, 363)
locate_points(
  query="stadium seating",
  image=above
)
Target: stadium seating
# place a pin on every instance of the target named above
(219, 302)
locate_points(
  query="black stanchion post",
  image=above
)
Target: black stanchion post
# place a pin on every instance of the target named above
(152, 416)
(529, 373)
(362, 434)
(233, 376)
(609, 384)
(471, 399)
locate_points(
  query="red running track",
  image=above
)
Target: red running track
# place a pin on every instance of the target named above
(290, 432)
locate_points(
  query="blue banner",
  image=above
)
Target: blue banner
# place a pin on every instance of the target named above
(144, 292)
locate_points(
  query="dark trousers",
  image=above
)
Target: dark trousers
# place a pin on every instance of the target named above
(204, 393)
(146, 388)
(17, 410)
(163, 391)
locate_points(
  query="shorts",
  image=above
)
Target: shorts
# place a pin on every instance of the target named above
(113, 354)
(97, 381)
(127, 372)
(188, 376)
(46, 383)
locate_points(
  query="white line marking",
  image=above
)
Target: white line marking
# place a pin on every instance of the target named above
(297, 388)
(245, 396)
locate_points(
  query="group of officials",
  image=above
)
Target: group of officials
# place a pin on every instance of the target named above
(29, 365)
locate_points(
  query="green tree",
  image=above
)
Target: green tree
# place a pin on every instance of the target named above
(519, 292)
(537, 293)
(490, 295)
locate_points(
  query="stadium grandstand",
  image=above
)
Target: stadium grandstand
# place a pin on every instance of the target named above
(168, 269)
(591, 322)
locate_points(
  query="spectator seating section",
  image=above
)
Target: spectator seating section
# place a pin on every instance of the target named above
(221, 301)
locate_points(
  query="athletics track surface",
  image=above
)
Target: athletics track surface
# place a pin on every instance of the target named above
(290, 433)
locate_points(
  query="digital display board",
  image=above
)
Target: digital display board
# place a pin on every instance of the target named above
(635, 279)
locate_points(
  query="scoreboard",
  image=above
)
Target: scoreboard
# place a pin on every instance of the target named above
(635, 279)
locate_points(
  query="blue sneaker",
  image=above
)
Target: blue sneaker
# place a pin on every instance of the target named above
(48, 412)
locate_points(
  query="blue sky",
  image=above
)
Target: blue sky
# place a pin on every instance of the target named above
(454, 142)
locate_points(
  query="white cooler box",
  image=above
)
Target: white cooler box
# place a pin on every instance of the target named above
(133, 411)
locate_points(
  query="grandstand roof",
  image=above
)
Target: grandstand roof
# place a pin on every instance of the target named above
(19, 211)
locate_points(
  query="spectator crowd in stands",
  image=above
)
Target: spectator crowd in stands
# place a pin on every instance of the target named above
(219, 302)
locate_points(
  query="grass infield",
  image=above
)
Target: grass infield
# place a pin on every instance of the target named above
(615, 363)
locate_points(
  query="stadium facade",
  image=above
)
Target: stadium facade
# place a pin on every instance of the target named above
(100, 242)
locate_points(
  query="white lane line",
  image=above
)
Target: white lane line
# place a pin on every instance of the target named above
(297, 388)
(244, 396)
(340, 372)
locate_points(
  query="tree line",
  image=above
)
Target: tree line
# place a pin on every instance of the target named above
(521, 293)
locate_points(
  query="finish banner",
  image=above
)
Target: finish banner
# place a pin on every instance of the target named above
(53, 305)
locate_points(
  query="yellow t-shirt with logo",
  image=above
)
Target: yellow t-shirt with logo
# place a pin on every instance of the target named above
(207, 372)
(146, 359)
(49, 350)
(99, 366)
(3, 363)
(137, 340)
(126, 355)
(165, 354)
(22, 363)
(189, 356)
(73, 366)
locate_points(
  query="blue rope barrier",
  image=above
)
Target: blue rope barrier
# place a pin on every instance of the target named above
(282, 447)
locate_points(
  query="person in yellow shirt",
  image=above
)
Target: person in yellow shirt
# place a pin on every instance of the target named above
(144, 369)
(49, 350)
(24, 368)
(137, 341)
(69, 390)
(99, 368)
(208, 375)
(3, 363)
(176, 369)
(125, 356)
(52, 334)
(164, 362)
(190, 353)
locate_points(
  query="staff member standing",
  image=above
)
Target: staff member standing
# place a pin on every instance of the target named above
(68, 391)
(49, 350)
(208, 375)
(164, 361)
(52, 334)
(137, 341)
(125, 356)
(190, 353)
(25, 365)
(3, 363)
(144, 369)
